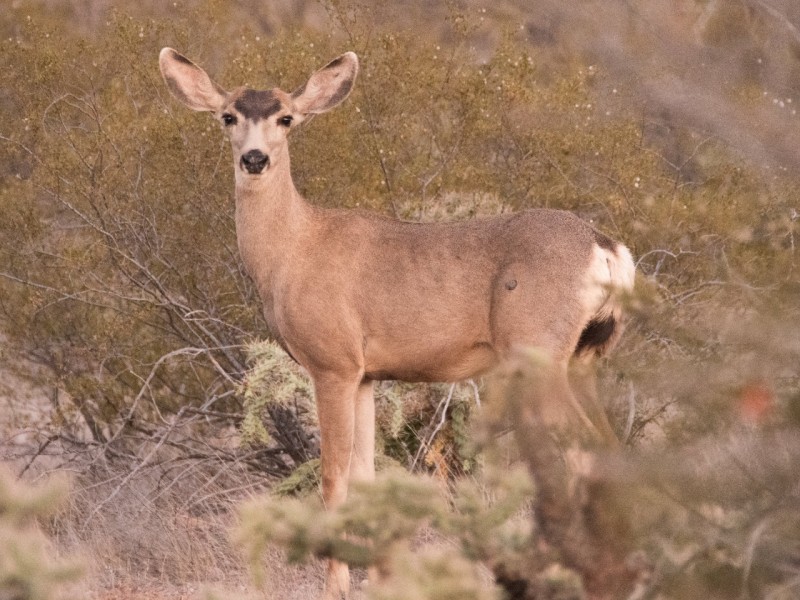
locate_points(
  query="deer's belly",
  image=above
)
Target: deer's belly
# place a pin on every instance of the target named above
(425, 360)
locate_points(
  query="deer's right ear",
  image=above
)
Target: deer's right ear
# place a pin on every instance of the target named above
(189, 83)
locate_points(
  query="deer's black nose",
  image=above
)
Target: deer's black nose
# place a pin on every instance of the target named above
(254, 161)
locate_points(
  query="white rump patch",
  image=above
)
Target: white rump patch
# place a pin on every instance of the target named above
(610, 273)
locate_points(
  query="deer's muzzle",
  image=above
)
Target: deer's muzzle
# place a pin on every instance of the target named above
(254, 161)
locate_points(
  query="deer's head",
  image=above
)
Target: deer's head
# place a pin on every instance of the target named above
(258, 122)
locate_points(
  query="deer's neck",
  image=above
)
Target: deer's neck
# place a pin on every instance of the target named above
(271, 217)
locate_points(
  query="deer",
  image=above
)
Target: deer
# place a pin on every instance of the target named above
(357, 297)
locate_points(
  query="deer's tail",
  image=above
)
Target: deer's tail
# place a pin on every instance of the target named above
(611, 277)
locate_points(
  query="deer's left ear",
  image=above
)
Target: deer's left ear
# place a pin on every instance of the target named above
(327, 87)
(189, 83)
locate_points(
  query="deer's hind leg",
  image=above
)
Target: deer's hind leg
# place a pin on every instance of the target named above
(523, 331)
(583, 381)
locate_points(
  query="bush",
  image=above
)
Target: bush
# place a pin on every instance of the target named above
(122, 296)
(121, 276)
(28, 570)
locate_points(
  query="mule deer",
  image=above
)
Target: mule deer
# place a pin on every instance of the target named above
(356, 297)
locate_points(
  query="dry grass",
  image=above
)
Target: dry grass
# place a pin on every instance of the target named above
(162, 533)
(150, 542)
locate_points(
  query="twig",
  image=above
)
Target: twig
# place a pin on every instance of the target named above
(133, 472)
(426, 444)
(750, 550)
(477, 392)
(192, 352)
(631, 414)
(651, 417)
(42, 447)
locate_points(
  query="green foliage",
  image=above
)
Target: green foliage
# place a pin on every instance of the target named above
(305, 480)
(273, 379)
(27, 570)
(121, 286)
(117, 240)
(428, 428)
(488, 521)
(381, 515)
(464, 448)
(411, 427)
(105, 282)
(432, 574)
(480, 523)
(378, 522)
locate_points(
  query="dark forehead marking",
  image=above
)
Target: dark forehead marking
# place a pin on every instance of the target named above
(257, 104)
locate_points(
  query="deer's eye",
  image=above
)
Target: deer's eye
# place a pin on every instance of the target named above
(228, 119)
(286, 121)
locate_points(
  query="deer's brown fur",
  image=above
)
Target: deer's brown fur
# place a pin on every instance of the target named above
(355, 297)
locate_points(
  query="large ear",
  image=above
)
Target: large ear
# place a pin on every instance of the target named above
(189, 83)
(327, 87)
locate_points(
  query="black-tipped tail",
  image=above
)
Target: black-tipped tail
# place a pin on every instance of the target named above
(597, 336)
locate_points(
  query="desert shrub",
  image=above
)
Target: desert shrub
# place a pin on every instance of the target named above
(28, 569)
(277, 394)
(377, 524)
(122, 296)
(120, 266)
(423, 428)
(710, 513)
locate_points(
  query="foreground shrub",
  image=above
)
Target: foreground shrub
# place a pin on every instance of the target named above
(377, 524)
(711, 514)
(28, 570)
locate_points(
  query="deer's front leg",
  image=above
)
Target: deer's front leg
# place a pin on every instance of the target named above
(362, 465)
(336, 399)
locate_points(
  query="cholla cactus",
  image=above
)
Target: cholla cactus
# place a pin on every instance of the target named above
(376, 519)
(433, 574)
(376, 527)
(273, 380)
(26, 570)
